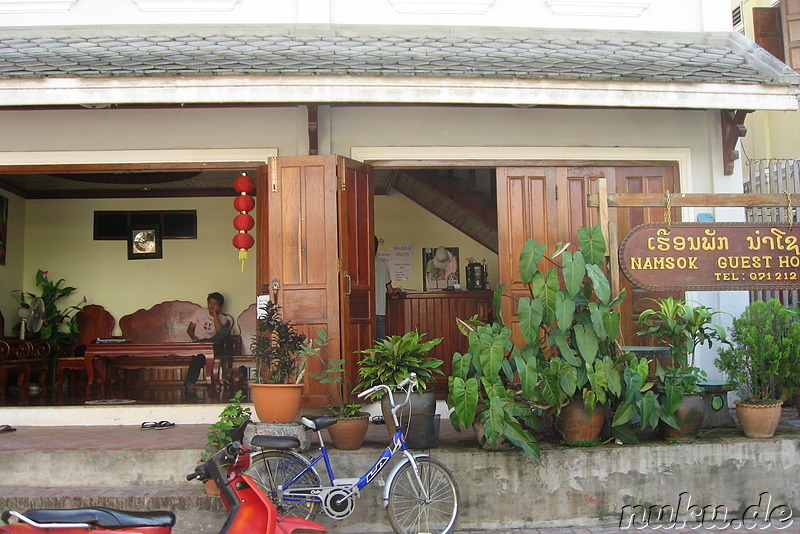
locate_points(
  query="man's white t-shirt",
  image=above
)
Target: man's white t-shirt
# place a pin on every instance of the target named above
(382, 277)
(204, 323)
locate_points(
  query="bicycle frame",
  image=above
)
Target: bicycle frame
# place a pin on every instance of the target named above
(352, 485)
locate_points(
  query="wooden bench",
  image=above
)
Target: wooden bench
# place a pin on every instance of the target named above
(161, 345)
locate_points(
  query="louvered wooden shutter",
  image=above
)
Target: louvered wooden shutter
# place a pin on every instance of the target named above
(790, 10)
(767, 30)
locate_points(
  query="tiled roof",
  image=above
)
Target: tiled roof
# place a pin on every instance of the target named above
(384, 51)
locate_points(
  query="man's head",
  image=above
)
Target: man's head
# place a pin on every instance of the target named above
(215, 301)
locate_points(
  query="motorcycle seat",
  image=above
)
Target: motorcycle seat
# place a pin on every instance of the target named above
(103, 517)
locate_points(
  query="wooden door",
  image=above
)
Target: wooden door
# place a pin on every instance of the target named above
(315, 226)
(549, 205)
(642, 180)
(357, 254)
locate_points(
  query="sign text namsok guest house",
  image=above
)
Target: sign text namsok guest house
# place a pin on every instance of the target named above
(712, 256)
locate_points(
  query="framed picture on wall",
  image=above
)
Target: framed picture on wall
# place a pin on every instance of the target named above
(144, 242)
(440, 266)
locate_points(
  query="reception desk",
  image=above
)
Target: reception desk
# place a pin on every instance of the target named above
(434, 313)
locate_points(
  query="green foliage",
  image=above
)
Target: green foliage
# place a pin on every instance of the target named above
(682, 326)
(334, 373)
(765, 344)
(345, 410)
(569, 327)
(280, 351)
(393, 359)
(59, 323)
(230, 419)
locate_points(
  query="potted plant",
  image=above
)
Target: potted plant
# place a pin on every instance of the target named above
(569, 357)
(683, 327)
(764, 338)
(280, 353)
(228, 427)
(58, 324)
(352, 423)
(392, 360)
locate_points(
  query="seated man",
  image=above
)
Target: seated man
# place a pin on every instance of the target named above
(207, 324)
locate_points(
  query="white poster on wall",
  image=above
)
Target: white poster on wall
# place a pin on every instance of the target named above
(402, 266)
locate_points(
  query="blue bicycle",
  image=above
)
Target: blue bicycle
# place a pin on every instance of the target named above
(420, 495)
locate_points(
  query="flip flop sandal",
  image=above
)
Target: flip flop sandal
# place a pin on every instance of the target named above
(149, 425)
(161, 425)
(7, 428)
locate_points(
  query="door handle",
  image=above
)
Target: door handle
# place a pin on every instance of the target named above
(349, 284)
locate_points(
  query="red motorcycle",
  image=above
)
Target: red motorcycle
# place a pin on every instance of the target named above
(249, 510)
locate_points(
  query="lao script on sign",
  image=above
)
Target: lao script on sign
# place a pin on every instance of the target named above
(712, 256)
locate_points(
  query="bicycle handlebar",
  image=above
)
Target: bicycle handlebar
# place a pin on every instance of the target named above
(410, 381)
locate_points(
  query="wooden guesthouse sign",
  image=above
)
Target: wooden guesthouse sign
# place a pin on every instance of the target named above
(712, 256)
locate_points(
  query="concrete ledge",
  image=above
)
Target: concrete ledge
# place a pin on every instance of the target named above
(563, 487)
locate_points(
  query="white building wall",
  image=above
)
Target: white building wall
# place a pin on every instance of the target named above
(642, 15)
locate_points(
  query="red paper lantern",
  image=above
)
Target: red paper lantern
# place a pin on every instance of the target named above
(244, 203)
(243, 241)
(244, 221)
(244, 184)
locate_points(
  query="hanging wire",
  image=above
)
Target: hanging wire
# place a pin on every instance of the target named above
(789, 210)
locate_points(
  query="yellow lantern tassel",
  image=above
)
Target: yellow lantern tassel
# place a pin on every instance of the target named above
(242, 256)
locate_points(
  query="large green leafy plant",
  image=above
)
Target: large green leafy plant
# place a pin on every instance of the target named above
(764, 340)
(392, 360)
(59, 324)
(569, 327)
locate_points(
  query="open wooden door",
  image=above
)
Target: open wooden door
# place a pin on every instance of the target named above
(357, 254)
(548, 203)
(309, 236)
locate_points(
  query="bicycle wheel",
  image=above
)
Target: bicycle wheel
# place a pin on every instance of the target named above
(410, 512)
(271, 469)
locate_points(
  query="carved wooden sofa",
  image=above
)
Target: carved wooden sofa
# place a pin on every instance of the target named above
(23, 358)
(165, 323)
(237, 358)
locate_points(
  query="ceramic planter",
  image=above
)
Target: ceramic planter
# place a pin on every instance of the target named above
(348, 433)
(576, 425)
(758, 420)
(690, 414)
(276, 403)
(419, 403)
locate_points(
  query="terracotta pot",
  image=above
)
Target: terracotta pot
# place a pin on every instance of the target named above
(502, 444)
(348, 433)
(211, 487)
(276, 403)
(419, 403)
(576, 425)
(758, 420)
(690, 414)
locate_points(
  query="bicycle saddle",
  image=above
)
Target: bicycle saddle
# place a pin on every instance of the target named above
(317, 422)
